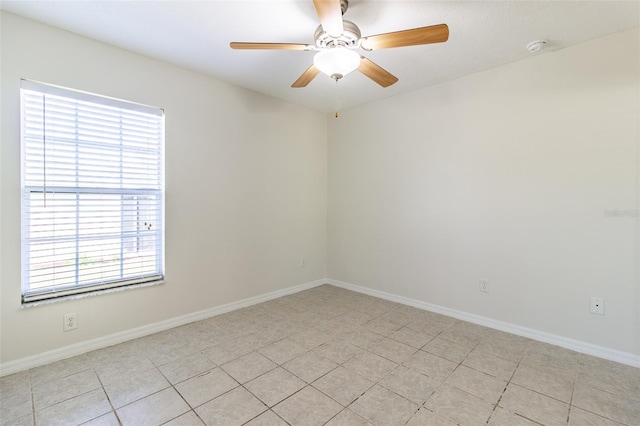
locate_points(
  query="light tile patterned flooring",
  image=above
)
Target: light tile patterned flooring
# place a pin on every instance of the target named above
(326, 356)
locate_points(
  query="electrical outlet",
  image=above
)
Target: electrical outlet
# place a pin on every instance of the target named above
(70, 322)
(484, 285)
(597, 305)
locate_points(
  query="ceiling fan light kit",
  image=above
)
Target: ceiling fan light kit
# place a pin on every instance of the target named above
(336, 41)
(336, 62)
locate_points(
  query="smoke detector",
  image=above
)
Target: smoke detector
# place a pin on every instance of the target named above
(536, 46)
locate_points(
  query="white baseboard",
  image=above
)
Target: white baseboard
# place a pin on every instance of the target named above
(134, 333)
(112, 339)
(575, 345)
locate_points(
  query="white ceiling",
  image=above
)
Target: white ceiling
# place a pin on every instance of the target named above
(196, 35)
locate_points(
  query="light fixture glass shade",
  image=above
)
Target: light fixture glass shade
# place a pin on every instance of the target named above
(336, 62)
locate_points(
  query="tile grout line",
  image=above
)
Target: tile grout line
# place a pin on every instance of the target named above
(449, 375)
(172, 386)
(90, 368)
(573, 390)
(497, 404)
(33, 402)
(104, 390)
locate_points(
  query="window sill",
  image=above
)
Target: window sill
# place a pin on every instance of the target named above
(33, 304)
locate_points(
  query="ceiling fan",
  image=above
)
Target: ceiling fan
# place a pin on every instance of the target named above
(336, 41)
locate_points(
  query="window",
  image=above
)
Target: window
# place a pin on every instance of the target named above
(92, 192)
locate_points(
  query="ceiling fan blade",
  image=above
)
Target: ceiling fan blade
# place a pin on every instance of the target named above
(376, 73)
(330, 14)
(272, 46)
(416, 36)
(306, 77)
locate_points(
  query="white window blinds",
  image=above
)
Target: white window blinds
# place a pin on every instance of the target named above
(92, 192)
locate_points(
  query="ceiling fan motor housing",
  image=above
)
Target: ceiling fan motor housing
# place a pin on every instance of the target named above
(349, 38)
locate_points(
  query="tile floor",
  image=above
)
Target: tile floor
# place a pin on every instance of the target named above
(326, 356)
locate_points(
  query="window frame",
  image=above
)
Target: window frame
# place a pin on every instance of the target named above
(154, 195)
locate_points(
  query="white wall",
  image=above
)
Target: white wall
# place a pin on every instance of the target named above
(505, 175)
(245, 188)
